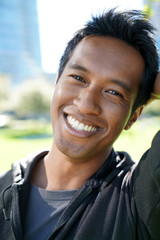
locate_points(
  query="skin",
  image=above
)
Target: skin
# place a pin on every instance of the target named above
(98, 87)
(156, 89)
(155, 95)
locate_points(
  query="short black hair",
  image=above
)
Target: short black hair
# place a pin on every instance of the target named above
(132, 27)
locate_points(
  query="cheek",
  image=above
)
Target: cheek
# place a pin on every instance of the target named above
(62, 93)
(57, 99)
(117, 117)
(54, 107)
(61, 96)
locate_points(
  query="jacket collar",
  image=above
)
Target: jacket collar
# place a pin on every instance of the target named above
(116, 161)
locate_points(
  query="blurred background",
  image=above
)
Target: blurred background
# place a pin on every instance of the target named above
(33, 36)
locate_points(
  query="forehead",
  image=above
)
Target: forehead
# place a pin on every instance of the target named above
(108, 54)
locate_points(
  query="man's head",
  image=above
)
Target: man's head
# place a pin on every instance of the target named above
(130, 27)
(100, 75)
(94, 97)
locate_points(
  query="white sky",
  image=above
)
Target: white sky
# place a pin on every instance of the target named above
(59, 19)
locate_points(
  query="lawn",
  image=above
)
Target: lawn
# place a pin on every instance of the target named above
(135, 141)
(14, 149)
(139, 138)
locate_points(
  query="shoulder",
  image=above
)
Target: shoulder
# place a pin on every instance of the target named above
(20, 170)
(152, 155)
(6, 179)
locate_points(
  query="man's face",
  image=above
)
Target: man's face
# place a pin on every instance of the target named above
(94, 96)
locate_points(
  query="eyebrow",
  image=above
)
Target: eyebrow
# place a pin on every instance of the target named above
(121, 84)
(116, 81)
(78, 67)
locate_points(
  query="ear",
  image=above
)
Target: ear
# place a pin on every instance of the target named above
(133, 119)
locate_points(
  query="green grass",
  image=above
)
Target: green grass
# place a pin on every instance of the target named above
(16, 144)
(139, 138)
(21, 139)
(15, 149)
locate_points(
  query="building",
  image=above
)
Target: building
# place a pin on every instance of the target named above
(20, 55)
(155, 19)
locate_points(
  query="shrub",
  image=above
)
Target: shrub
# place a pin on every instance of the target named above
(4, 91)
(32, 99)
(152, 109)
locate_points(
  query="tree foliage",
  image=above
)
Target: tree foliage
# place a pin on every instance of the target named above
(33, 99)
(148, 8)
(4, 90)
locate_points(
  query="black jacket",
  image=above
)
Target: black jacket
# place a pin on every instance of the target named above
(120, 202)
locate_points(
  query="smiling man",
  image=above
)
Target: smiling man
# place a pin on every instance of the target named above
(83, 189)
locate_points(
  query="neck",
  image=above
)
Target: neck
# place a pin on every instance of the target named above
(59, 172)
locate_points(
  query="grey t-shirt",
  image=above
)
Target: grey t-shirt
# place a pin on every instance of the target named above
(43, 212)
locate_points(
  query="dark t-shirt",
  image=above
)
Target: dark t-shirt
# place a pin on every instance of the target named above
(44, 210)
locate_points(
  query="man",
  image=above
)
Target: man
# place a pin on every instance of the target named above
(82, 189)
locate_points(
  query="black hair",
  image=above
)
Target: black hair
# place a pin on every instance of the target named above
(132, 27)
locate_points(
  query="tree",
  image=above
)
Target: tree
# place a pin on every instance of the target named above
(33, 98)
(4, 91)
(148, 7)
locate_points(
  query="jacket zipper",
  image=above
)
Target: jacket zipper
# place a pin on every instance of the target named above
(85, 191)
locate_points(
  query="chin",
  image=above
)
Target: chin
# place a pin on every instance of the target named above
(73, 152)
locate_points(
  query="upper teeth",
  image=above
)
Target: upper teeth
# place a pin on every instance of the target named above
(79, 126)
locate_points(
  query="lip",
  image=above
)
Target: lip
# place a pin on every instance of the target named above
(81, 133)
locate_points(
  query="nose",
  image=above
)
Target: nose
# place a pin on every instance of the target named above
(87, 101)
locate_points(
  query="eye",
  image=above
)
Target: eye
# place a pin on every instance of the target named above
(113, 92)
(78, 78)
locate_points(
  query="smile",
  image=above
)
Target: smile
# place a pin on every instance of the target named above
(79, 126)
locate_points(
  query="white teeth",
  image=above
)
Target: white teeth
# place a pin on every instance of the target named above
(72, 120)
(80, 126)
(90, 128)
(86, 128)
(75, 124)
